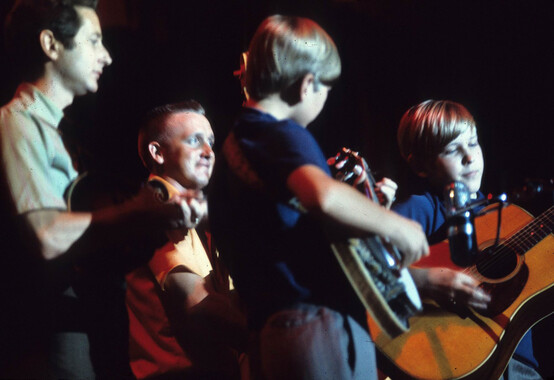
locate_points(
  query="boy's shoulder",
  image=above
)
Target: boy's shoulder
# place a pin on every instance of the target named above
(259, 122)
(420, 206)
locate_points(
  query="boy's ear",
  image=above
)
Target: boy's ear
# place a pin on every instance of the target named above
(306, 84)
(297, 91)
(418, 167)
(422, 174)
(155, 150)
(49, 44)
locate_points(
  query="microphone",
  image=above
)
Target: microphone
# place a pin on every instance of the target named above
(461, 227)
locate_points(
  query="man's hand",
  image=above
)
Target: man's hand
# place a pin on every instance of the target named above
(147, 209)
(194, 206)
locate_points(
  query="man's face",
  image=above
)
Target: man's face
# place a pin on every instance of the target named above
(81, 66)
(461, 160)
(188, 157)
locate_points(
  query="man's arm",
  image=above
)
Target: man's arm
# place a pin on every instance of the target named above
(324, 196)
(206, 324)
(78, 233)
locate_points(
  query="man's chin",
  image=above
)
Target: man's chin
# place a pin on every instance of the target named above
(91, 87)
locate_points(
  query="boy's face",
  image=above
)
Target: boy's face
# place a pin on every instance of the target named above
(188, 155)
(80, 67)
(461, 160)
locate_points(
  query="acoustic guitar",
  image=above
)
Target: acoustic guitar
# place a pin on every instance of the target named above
(462, 343)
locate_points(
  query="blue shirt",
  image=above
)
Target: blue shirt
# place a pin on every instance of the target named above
(277, 255)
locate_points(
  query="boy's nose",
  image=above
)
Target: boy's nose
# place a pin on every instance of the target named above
(468, 158)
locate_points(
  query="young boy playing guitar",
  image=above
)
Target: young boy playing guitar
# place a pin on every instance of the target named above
(298, 301)
(438, 139)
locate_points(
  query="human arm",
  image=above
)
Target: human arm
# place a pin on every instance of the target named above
(341, 203)
(60, 233)
(38, 170)
(202, 319)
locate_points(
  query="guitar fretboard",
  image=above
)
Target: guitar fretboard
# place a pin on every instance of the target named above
(533, 233)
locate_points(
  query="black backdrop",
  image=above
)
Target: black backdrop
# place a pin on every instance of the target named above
(494, 57)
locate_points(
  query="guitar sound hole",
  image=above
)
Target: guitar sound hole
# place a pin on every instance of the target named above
(498, 264)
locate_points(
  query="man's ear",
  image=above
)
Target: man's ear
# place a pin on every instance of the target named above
(49, 44)
(156, 153)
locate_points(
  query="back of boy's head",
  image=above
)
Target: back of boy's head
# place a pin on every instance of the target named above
(283, 50)
(425, 129)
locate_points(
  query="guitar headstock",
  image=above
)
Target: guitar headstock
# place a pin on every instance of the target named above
(347, 165)
(241, 75)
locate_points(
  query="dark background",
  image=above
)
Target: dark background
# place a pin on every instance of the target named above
(495, 57)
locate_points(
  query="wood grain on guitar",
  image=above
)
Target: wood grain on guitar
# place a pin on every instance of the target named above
(443, 345)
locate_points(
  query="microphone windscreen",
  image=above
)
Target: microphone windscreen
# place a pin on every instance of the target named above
(456, 197)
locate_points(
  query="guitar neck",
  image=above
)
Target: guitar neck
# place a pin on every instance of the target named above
(533, 233)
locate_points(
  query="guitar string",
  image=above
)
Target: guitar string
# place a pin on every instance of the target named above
(525, 235)
(524, 239)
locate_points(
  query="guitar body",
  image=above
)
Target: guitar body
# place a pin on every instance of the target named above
(465, 344)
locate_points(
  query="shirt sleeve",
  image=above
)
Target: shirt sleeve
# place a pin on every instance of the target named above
(188, 254)
(26, 154)
(282, 149)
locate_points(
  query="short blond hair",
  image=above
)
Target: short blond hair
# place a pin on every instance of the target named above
(425, 129)
(283, 50)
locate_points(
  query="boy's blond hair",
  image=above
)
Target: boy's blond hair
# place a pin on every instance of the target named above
(283, 50)
(425, 129)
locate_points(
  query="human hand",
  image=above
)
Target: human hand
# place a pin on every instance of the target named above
(344, 174)
(450, 286)
(194, 206)
(386, 191)
(147, 209)
(409, 238)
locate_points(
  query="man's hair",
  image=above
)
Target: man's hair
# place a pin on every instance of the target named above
(154, 128)
(283, 50)
(425, 129)
(27, 19)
